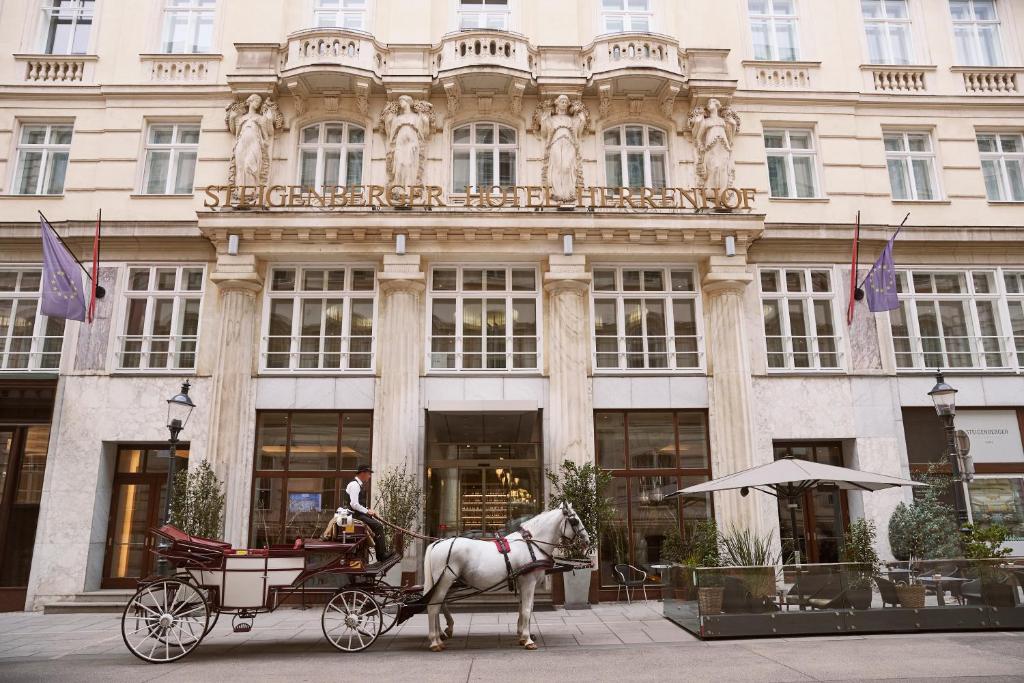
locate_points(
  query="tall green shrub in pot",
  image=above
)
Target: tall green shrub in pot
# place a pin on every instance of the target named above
(197, 502)
(400, 500)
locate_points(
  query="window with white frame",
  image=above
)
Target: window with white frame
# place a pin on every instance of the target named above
(773, 24)
(1002, 164)
(161, 319)
(792, 167)
(43, 150)
(171, 150)
(1014, 283)
(188, 26)
(29, 340)
(646, 319)
(320, 318)
(483, 157)
(625, 16)
(484, 318)
(492, 14)
(887, 28)
(635, 156)
(911, 162)
(799, 318)
(950, 319)
(331, 155)
(66, 26)
(340, 13)
(976, 32)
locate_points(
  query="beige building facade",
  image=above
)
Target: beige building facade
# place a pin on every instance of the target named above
(476, 239)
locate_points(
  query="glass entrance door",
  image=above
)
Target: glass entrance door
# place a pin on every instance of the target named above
(821, 513)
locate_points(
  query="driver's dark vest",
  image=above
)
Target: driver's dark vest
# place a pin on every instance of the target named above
(362, 496)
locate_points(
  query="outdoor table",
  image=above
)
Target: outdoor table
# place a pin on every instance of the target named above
(951, 582)
(664, 581)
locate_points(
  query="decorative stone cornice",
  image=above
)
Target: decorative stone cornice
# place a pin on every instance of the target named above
(567, 273)
(237, 273)
(401, 273)
(725, 275)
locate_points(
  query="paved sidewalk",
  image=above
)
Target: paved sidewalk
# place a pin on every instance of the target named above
(610, 642)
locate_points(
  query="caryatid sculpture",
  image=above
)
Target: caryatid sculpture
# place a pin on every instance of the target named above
(407, 125)
(560, 123)
(714, 127)
(253, 124)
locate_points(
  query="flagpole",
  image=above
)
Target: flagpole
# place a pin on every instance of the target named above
(853, 272)
(54, 231)
(96, 293)
(898, 229)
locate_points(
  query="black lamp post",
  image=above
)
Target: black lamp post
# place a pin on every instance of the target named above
(944, 398)
(179, 407)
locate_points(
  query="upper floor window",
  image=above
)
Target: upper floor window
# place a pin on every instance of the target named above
(887, 26)
(773, 24)
(646, 319)
(799, 319)
(66, 26)
(976, 32)
(635, 156)
(792, 167)
(911, 162)
(171, 150)
(331, 155)
(42, 158)
(29, 340)
(161, 320)
(340, 14)
(188, 26)
(1002, 163)
(953, 320)
(623, 16)
(483, 157)
(1015, 304)
(484, 318)
(319, 318)
(484, 14)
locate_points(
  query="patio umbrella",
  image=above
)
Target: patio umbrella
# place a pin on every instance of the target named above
(789, 477)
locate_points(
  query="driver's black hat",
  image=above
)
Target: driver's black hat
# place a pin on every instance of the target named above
(364, 468)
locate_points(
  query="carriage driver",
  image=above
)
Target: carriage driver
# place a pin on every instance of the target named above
(357, 501)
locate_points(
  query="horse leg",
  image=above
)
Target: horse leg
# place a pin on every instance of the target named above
(434, 608)
(449, 630)
(527, 587)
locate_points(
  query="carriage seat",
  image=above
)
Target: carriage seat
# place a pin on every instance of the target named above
(177, 535)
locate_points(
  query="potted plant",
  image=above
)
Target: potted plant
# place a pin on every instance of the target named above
(859, 548)
(702, 545)
(755, 559)
(583, 487)
(400, 499)
(197, 502)
(993, 585)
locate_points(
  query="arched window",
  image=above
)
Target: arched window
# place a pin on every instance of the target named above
(331, 155)
(635, 156)
(483, 156)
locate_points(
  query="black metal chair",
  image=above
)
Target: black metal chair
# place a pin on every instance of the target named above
(887, 589)
(629, 577)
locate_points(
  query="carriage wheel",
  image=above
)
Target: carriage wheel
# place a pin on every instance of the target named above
(352, 620)
(389, 609)
(164, 621)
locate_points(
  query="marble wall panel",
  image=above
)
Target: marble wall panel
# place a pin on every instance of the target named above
(94, 339)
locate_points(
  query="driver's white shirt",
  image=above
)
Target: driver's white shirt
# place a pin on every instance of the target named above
(353, 490)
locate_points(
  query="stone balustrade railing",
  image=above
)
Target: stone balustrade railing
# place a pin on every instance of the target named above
(781, 75)
(484, 48)
(180, 68)
(57, 69)
(990, 80)
(904, 79)
(332, 46)
(632, 50)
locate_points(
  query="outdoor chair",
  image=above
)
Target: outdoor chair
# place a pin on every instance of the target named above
(629, 577)
(819, 591)
(887, 589)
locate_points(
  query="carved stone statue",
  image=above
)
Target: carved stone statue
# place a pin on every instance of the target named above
(253, 124)
(407, 126)
(560, 123)
(714, 128)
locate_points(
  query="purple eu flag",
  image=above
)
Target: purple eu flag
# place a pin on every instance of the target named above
(60, 291)
(880, 284)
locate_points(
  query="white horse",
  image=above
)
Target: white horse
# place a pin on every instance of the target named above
(480, 565)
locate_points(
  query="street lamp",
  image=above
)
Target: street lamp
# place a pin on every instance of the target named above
(179, 407)
(944, 398)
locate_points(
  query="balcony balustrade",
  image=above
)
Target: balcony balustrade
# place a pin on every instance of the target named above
(990, 80)
(484, 49)
(57, 69)
(332, 47)
(632, 51)
(895, 79)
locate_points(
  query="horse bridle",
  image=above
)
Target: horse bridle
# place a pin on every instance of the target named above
(573, 520)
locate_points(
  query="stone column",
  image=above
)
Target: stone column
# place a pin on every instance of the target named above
(239, 283)
(729, 387)
(570, 419)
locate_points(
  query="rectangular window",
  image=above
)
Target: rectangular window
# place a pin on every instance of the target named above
(1015, 302)
(484, 318)
(773, 24)
(951, 320)
(911, 162)
(887, 28)
(320, 319)
(28, 339)
(66, 26)
(799, 319)
(161, 319)
(646, 319)
(976, 32)
(340, 13)
(999, 500)
(171, 150)
(625, 16)
(188, 26)
(493, 14)
(1002, 164)
(792, 168)
(42, 158)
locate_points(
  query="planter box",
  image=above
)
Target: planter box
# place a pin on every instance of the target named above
(577, 588)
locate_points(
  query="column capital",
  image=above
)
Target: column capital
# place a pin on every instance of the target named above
(725, 275)
(567, 273)
(401, 273)
(239, 272)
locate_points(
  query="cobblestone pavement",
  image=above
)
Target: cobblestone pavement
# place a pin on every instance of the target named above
(609, 642)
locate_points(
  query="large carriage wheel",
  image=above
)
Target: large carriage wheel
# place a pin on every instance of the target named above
(352, 620)
(164, 621)
(390, 605)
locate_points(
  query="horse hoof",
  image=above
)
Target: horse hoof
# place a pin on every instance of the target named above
(448, 634)
(436, 648)
(522, 641)
(531, 646)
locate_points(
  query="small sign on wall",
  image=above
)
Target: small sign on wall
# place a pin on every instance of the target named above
(994, 435)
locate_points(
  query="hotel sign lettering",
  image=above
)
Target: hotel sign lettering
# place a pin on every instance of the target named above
(519, 196)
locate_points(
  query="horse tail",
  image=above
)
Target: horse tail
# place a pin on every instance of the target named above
(428, 574)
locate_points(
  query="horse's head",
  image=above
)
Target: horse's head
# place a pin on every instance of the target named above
(573, 528)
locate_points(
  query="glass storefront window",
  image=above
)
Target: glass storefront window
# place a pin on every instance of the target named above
(999, 501)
